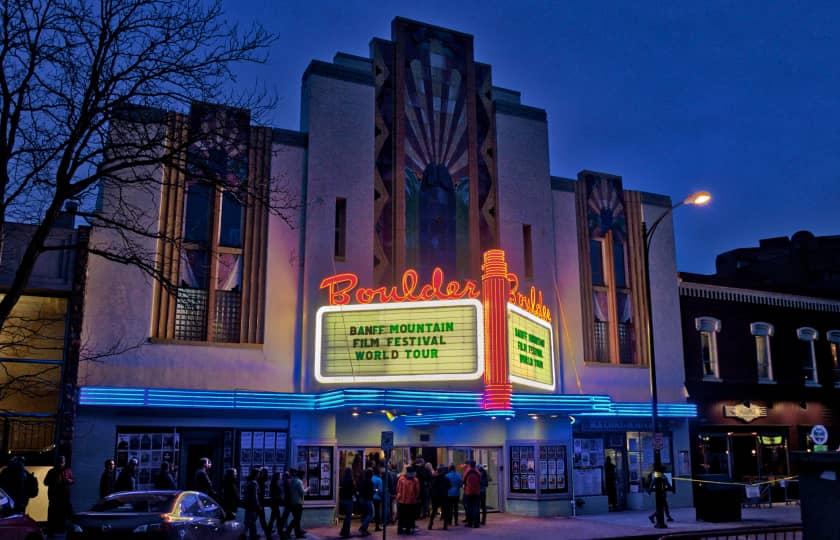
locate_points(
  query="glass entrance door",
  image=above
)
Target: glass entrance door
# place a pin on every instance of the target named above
(615, 478)
(491, 458)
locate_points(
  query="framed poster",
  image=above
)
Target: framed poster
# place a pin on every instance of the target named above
(317, 465)
(521, 464)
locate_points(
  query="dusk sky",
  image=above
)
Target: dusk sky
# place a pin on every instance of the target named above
(739, 98)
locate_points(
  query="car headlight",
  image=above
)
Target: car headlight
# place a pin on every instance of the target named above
(77, 529)
(141, 529)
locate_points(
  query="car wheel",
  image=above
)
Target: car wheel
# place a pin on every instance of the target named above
(34, 536)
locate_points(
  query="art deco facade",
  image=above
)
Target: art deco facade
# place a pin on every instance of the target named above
(417, 182)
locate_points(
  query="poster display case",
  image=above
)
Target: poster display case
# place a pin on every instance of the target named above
(537, 469)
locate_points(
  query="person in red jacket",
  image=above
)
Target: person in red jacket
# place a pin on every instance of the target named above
(408, 496)
(472, 494)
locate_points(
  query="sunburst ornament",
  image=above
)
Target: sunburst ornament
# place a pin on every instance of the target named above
(605, 208)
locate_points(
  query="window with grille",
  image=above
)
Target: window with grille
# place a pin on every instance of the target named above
(611, 302)
(209, 297)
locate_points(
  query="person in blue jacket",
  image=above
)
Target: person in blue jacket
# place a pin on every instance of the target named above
(454, 494)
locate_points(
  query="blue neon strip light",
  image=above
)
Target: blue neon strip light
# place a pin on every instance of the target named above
(451, 404)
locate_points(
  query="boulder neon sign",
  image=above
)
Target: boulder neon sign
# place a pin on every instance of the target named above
(499, 288)
(343, 288)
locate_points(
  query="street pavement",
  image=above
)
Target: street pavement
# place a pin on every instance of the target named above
(628, 524)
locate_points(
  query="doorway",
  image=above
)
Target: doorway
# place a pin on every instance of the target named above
(615, 478)
(196, 445)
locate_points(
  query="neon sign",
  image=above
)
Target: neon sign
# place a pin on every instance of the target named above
(343, 289)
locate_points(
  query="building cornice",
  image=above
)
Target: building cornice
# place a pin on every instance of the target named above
(335, 71)
(522, 111)
(751, 296)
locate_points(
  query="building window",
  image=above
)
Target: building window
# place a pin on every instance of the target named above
(809, 359)
(763, 332)
(340, 228)
(611, 301)
(708, 328)
(527, 246)
(834, 348)
(209, 295)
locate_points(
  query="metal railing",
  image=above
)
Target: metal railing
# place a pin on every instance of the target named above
(782, 532)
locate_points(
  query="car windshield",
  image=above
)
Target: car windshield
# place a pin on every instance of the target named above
(136, 503)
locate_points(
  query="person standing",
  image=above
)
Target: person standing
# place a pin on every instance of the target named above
(276, 499)
(378, 493)
(18, 483)
(59, 479)
(609, 482)
(472, 492)
(391, 502)
(366, 501)
(127, 479)
(164, 479)
(230, 493)
(440, 497)
(454, 495)
(262, 483)
(346, 495)
(108, 479)
(485, 482)
(296, 495)
(251, 503)
(202, 480)
(408, 493)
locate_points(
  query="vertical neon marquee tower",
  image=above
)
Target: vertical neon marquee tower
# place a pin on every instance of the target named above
(495, 290)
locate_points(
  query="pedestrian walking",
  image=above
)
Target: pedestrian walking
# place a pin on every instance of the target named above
(454, 496)
(59, 480)
(202, 481)
(164, 479)
(296, 495)
(439, 493)
(378, 494)
(276, 500)
(485, 482)
(658, 476)
(19, 484)
(472, 492)
(346, 497)
(127, 479)
(287, 505)
(251, 503)
(408, 493)
(108, 479)
(230, 493)
(366, 501)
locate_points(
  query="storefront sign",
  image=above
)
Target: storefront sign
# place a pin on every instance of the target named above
(530, 349)
(819, 434)
(400, 342)
(747, 413)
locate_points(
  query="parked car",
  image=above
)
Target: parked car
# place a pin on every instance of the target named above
(14, 525)
(176, 515)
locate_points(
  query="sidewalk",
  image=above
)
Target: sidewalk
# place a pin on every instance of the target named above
(613, 525)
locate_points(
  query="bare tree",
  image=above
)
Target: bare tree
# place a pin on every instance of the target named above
(85, 90)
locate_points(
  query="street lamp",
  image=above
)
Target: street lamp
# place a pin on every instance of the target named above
(699, 198)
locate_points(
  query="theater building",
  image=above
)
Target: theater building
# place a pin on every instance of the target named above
(436, 281)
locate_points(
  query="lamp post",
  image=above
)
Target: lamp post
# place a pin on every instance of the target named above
(697, 199)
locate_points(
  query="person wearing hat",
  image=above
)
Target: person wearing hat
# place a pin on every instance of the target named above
(408, 496)
(127, 479)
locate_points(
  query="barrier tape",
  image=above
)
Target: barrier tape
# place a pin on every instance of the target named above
(687, 479)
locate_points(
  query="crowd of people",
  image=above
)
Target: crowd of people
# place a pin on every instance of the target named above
(269, 500)
(419, 492)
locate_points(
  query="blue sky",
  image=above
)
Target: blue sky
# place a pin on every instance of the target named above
(739, 98)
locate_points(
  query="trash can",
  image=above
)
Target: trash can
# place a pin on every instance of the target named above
(718, 503)
(819, 493)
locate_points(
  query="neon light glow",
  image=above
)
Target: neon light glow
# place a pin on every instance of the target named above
(452, 405)
(340, 286)
(401, 342)
(530, 349)
(495, 286)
